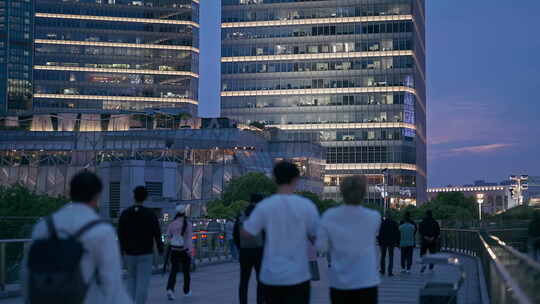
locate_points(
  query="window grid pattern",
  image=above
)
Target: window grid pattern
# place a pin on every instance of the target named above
(116, 55)
(351, 72)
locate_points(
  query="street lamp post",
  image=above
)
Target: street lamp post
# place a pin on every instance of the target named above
(385, 193)
(480, 200)
(517, 190)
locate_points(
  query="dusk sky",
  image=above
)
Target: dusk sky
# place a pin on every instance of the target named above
(483, 87)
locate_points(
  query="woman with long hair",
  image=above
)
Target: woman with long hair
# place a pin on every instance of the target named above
(180, 235)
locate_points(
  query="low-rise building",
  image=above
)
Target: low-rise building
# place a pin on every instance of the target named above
(179, 166)
(495, 198)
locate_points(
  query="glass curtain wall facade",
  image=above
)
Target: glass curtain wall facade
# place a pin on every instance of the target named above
(116, 54)
(352, 72)
(16, 54)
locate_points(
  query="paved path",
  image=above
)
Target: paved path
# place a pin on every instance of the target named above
(218, 284)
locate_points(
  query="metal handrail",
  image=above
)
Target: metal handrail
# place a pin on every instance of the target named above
(208, 247)
(510, 275)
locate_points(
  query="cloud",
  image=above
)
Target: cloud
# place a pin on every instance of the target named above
(480, 148)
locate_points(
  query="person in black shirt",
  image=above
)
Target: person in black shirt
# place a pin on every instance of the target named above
(389, 236)
(138, 229)
(430, 232)
(251, 253)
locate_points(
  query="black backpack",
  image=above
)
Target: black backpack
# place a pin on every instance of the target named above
(54, 267)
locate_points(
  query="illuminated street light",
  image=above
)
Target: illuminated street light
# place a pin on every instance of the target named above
(480, 201)
(519, 187)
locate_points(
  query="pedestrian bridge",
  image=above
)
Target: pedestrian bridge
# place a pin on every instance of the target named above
(218, 283)
(495, 273)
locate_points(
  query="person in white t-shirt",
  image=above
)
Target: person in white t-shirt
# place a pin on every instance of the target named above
(348, 233)
(289, 222)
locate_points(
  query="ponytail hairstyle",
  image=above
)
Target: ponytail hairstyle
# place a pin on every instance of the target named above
(181, 212)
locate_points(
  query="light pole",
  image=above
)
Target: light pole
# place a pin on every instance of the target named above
(517, 190)
(480, 200)
(385, 193)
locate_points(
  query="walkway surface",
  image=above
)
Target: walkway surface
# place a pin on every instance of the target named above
(218, 284)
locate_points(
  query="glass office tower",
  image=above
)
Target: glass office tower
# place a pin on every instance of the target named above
(116, 54)
(352, 72)
(16, 53)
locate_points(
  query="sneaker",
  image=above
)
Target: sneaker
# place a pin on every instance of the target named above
(188, 294)
(403, 271)
(390, 274)
(170, 295)
(408, 271)
(381, 272)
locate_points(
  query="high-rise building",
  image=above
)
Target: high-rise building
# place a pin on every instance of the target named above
(16, 53)
(351, 71)
(116, 54)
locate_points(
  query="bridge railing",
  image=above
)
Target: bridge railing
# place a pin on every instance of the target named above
(208, 247)
(511, 276)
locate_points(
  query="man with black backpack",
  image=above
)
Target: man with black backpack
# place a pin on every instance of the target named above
(251, 252)
(74, 257)
(138, 230)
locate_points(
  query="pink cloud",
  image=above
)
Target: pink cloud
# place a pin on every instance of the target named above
(480, 148)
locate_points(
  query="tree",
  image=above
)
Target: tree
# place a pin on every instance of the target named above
(257, 124)
(218, 210)
(322, 205)
(21, 208)
(241, 188)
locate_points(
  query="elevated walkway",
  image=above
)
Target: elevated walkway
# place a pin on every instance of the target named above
(219, 284)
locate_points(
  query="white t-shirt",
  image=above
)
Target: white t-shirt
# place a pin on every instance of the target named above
(349, 234)
(288, 221)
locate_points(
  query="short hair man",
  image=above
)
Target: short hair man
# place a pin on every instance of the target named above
(430, 232)
(100, 242)
(138, 230)
(348, 232)
(288, 220)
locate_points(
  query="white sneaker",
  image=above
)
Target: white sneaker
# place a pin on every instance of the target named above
(188, 294)
(170, 295)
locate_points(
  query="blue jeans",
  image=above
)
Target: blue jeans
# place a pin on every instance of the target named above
(233, 249)
(139, 271)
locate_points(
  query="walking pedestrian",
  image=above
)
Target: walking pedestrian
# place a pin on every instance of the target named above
(251, 253)
(348, 232)
(229, 236)
(288, 220)
(430, 232)
(74, 256)
(388, 239)
(180, 234)
(407, 242)
(138, 231)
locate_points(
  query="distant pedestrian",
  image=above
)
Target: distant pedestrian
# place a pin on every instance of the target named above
(289, 221)
(407, 242)
(229, 236)
(251, 253)
(388, 240)
(348, 232)
(138, 231)
(430, 232)
(74, 256)
(534, 236)
(180, 235)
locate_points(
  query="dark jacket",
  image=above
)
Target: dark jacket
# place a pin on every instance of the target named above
(389, 234)
(242, 242)
(138, 228)
(429, 228)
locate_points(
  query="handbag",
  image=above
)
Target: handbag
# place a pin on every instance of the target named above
(314, 269)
